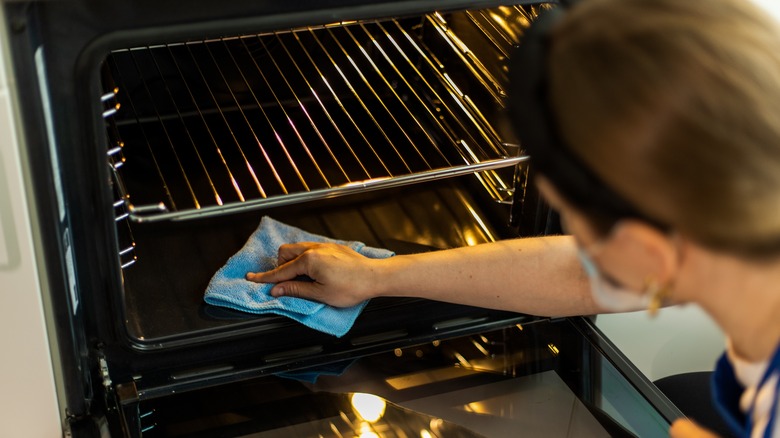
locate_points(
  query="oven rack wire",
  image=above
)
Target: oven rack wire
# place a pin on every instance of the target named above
(257, 121)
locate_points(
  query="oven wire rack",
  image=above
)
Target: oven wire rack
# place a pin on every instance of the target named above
(272, 119)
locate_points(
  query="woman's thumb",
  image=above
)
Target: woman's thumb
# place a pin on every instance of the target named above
(297, 289)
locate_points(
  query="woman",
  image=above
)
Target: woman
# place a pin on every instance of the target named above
(665, 116)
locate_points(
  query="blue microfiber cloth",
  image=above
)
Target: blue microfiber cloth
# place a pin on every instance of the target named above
(229, 287)
(310, 375)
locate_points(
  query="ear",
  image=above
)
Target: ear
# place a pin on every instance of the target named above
(636, 252)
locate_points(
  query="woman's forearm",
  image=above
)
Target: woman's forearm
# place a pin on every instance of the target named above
(539, 276)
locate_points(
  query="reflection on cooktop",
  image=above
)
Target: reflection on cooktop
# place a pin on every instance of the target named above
(535, 405)
(366, 416)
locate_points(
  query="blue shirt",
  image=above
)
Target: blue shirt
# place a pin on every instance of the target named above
(742, 406)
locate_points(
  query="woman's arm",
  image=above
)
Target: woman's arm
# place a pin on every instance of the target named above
(539, 276)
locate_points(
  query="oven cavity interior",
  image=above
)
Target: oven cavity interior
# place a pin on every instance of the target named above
(207, 136)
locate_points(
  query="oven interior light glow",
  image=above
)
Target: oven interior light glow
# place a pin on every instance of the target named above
(369, 407)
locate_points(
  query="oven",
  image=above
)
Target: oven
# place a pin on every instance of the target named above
(157, 134)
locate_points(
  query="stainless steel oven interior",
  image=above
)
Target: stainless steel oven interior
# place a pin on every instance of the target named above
(206, 136)
(171, 132)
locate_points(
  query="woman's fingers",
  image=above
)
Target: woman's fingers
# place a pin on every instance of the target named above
(297, 289)
(685, 428)
(291, 251)
(340, 276)
(285, 272)
(290, 264)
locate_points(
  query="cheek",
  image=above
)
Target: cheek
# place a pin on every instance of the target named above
(630, 271)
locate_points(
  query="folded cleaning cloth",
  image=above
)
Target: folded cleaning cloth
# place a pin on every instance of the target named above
(229, 287)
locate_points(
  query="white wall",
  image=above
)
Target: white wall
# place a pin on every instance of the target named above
(28, 402)
(679, 339)
(772, 6)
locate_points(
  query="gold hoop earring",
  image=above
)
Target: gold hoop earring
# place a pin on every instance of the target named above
(658, 294)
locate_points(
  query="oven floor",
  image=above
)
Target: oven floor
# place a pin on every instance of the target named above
(164, 288)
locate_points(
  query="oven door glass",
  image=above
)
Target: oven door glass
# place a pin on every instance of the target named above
(547, 378)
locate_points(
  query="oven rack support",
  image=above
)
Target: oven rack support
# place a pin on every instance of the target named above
(116, 159)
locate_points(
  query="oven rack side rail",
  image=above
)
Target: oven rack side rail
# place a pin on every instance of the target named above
(159, 212)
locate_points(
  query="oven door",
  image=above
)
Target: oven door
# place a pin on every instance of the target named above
(558, 378)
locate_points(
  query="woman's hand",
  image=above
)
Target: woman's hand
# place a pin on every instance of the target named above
(685, 428)
(341, 277)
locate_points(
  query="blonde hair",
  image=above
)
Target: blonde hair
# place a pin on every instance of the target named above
(675, 105)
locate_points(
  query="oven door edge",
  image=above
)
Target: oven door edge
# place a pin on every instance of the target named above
(49, 218)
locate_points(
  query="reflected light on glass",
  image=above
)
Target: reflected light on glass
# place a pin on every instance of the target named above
(369, 407)
(479, 347)
(425, 434)
(366, 432)
(501, 22)
(476, 408)
(462, 360)
(469, 238)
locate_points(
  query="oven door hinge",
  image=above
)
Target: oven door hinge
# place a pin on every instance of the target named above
(105, 376)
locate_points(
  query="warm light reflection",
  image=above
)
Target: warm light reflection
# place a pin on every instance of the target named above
(427, 377)
(469, 237)
(366, 182)
(366, 431)
(479, 347)
(476, 408)
(425, 434)
(501, 22)
(462, 360)
(553, 349)
(368, 406)
(485, 230)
